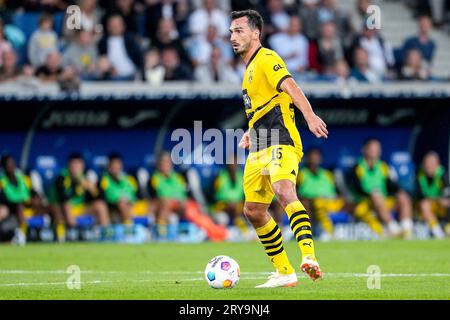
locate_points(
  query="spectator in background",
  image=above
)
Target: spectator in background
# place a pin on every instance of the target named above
(176, 10)
(329, 11)
(174, 70)
(127, 10)
(216, 70)
(42, 41)
(433, 193)
(309, 13)
(154, 70)
(317, 188)
(89, 20)
(340, 72)
(51, 70)
(437, 9)
(414, 67)
(15, 194)
(381, 57)
(82, 55)
(239, 67)
(361, 71)
(121, 49)
(422, 40)
(200, 48)
(277, 18)
(4, 43)
(167, 36)
(202, 18)
(118, 189)
(229, 195)
(359, 16)
(105, 71)
(375, 190)
(292, 46)
(9, 71)
(330, 47)
(170, 189)
(72, 195)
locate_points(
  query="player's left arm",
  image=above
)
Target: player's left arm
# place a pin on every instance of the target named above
(316, 125)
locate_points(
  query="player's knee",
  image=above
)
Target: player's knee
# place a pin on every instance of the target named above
(284, 194)
(253, 212)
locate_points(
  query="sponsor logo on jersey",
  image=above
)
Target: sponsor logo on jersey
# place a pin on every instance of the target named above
(277, 67)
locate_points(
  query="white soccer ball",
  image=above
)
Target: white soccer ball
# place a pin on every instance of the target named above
(222, 272)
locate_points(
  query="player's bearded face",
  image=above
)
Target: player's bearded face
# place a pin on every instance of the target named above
(241, 36)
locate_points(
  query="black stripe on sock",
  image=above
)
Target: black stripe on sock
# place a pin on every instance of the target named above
(275, 252)
(296, 214)
(273, 240)
(271, 233)
(300, 229)
(274, 246)
(304, 236)
(299, 221)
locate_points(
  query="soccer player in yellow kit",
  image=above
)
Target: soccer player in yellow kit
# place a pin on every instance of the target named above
(270, 94)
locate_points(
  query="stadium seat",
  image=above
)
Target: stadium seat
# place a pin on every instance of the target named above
(143, 177)
(345, 164)
(403, 170)
(341, 217)
(85, 221)
(47, 168)
(98, 163)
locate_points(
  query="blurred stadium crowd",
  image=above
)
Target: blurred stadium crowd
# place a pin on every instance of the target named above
(157, 41)
(159, 199)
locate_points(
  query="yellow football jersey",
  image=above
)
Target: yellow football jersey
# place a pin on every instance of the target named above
(267, 107)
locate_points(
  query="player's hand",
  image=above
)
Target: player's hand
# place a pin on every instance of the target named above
(317, 126)
(245, 141)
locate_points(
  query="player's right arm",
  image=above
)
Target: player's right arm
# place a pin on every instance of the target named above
(281, 80)
(315, 124)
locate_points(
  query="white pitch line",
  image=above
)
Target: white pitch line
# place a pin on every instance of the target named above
(246, 276)
(334, 274)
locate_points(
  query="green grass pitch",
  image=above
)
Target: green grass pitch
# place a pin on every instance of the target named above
(409, 270)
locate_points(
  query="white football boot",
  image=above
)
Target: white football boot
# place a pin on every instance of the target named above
(277, 280)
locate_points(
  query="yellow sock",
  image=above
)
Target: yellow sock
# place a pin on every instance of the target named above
(322, 216)
(301, 227)
(270, 236)
(241, 224)
(364, 213)
(433, 223)
(60, 231)
(24, 228)
(161, 227)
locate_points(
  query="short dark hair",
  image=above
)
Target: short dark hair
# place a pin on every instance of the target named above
(254, 18)
(4, 160)
(45, 17)
(314, 149)
(370, 140)
(75, 156)
(114, 156)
